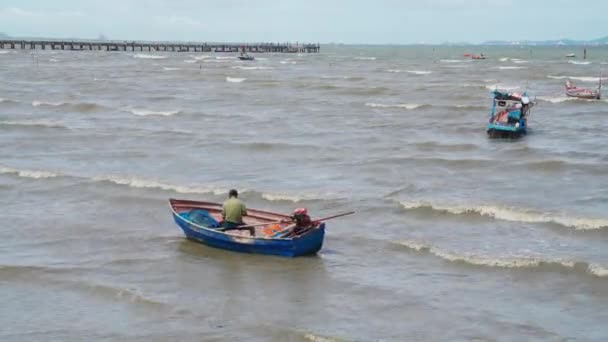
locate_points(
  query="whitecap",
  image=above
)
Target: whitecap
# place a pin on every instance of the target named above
(579, 62)
(577, 78)
(225, 57)
(451, 61)
(399, 105)
(190, 61)
(419, 72)
(171, 69)
(510, 67)
(288, 62)
(145, 56)
(366, 58)
(28, 173)
(134, 182)
(251, 67)
(513, 215)
(36, 103)
(33, 123)
(146, 112)
(556, 99)
(501, 87)
(234, 79)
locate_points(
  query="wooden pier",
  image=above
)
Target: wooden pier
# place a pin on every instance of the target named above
(100, 45)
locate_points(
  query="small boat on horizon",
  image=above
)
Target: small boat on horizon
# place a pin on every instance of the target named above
(509, 116)
(246, 57)
(584, 93)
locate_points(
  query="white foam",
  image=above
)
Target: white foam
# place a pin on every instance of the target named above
(40, 123)
(234, 79)
(145, 56)
(514, 215)
(366, 58)
(501, 87)
(152, 184)
(53, 60)
(510, 67)
(519, 61)
(557, 99)
(288, 62)
(579, 62)
(44, 103)
(419, 72)
(171, 69)
(399, 105)
(291, 198)
(225, 57)
(500, 262)
(2, 52)
(251, 67)
(451, 61)
(577, 78)
(202, 57)
(190, 61)
(395, 70)
(504, 59)
(28, 173)
(146, 112)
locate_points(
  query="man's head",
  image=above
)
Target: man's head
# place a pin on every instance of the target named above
(233, 193)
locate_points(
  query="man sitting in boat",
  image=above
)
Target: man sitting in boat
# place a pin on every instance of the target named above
(233, 211)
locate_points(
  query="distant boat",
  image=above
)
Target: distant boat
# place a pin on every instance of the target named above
(246, 57)
(509, 116)
(570, 55)
(583, 93)
(478, 56)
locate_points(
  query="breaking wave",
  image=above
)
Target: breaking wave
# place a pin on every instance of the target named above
(501, 86)
(399, 105)
(33, 123)
(234, 79)
(251, 67)
(506, 262)
(144, 56)
(37, 103)
(171, 69)
(510, 67)
(579, 62)
(288, 62)
(28, 173)
(576, 78)
(512, 214)
(556, 99)
(134, 182)
(365, 58)
(146, 112)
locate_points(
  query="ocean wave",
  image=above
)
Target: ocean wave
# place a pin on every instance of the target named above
(579, 62)
(2, 52)
(140, 183)
(171, 69)
(519, 61)
(504, 59)
(234, 79)
(419, 72)
(37, 103)
(288, 62)
(33, 123)
(576, 78)
(145, 56)
(146, 112)
(556, 99)
(190, 61)
(5, 100)
(365, 58)
(449, 61)
(198, 58)
(524, 262)
(225, 57)
(28, 173)
(511, 214)
(294, 198)
(399, 105)
(510, 67)
(501, 87)
(251, 67)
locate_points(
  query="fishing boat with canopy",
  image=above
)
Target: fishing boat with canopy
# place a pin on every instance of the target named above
(584, 93)
(509, 115)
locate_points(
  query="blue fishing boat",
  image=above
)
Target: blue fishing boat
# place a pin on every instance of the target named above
(509, 116)
(199, 221)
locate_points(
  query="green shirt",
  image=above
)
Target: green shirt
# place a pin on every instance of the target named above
(233, 210)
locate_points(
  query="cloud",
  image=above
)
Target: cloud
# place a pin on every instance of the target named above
(19, 12)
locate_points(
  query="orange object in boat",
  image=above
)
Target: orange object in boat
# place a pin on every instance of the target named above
(272, 229)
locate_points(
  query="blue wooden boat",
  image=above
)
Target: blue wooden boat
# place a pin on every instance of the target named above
(198, 221)
(509, 116)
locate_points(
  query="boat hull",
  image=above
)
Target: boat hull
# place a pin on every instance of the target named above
(505, 132)
(306, 244)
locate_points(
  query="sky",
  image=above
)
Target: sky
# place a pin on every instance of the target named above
(324, 21)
